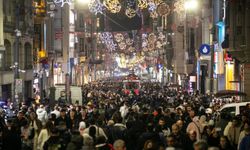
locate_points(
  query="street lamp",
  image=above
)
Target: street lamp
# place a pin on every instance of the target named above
(84, 2)
(191, 4)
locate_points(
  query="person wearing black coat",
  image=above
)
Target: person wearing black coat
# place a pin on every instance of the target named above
(63, 118)
(54, 141)
(10, 135)
(154, 137)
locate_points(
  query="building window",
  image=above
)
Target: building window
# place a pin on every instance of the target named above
(81, 20)
(81, 45)
(28, 56)
(8, 54)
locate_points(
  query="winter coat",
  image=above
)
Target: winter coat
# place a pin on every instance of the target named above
(42, 115)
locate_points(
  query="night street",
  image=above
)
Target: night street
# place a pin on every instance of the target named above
(124, 74)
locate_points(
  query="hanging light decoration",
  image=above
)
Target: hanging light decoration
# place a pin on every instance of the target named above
(161, 36)
(179, 8)
(154, 14)
(130, 12)
(145, 49)
(158, 44)
(113, 6)
(151, 6)
(131, 49)
(144, 43)
(163, 9)
(142, 4)
(151, 46)
(122, 45)
(95, 6)
(151, 37)
(107, 39)
(129, 41)
(119, 37)
(62, 2)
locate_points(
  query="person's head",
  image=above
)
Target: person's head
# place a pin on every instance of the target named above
(148, 145)
(161, 122)
(179, 123)
(189, 108)
(53, 117)
(20, 115)
(246, 125)
(175, 129)
(200, 145)
(235, 121)
(9, 123)
(63, 112)
(150, 127)
(208, 130)
(82, 126)
(170, 141)
(92, 131)
(191, 113)
(41, 106)
(72, 112)
(32, 116)
(248, 106)
(119, 145)
(192, 135)
(223, 141)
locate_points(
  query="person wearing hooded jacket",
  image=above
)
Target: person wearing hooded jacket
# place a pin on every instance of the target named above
(42, 114)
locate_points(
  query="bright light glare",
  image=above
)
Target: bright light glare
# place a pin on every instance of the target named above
(191, 4)
(84, 1)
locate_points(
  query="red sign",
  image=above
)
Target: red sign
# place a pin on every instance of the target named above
(59, 35)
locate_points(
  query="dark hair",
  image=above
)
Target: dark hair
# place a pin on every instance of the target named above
(92, 132)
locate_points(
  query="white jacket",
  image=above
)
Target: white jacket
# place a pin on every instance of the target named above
(42, 115)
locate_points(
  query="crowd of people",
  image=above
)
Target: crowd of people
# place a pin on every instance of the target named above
(158, 118)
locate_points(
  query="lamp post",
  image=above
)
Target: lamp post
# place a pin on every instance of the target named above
(16, 52)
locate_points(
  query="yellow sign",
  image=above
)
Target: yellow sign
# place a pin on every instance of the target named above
(41, 54)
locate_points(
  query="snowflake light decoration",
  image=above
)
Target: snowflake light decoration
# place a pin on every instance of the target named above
(95, 6)
(152, 7)
(107, 39)
(62, 2)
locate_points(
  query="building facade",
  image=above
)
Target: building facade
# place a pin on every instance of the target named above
(16, 15)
